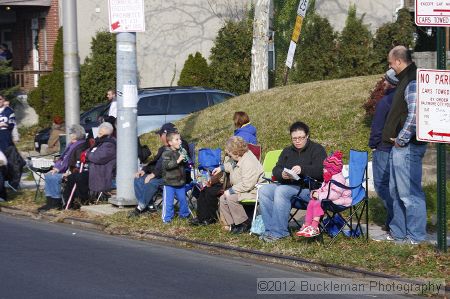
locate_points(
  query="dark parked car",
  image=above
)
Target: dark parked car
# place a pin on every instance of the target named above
(156, 106)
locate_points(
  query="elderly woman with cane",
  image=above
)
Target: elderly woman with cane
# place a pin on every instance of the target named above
(101, 161)
(67, 161)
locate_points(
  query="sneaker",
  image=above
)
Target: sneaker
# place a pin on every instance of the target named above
(269, 239)
(151, 209)
(301, 231)
(311, 232)
(410, 241)
(207, 222)
(194, 221)
(241, 228)
(136, 212)
(388, 238)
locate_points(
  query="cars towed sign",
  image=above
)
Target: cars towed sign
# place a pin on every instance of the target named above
(433, 105)
(432, 13)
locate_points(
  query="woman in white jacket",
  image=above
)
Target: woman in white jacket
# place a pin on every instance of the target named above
(245, 172)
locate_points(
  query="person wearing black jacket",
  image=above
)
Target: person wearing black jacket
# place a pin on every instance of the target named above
(304, 158)
(149, 179)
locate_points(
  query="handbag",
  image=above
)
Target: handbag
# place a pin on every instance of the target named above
(258, 227)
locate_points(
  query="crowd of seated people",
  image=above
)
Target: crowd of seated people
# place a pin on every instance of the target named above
(86, 166)
(236, 179)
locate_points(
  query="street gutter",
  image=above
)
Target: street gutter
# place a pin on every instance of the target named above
(221, 248)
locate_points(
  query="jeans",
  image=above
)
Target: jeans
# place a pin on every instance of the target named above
(275, 205)
(381, 173)
(169, 193)
(405, 185)
(145, 192)
(53, 185)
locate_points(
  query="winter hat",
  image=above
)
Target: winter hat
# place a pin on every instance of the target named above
(58, 120)
(333, 164)
(391, 77)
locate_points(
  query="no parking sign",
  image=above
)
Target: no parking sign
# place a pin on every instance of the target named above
(433, 105)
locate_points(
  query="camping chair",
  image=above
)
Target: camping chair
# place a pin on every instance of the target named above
(297, 203)
(358, 182)
(256, 150)
(270, 160)
(39, 166)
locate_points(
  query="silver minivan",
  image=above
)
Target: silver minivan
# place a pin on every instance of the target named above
(161, 105)
(156, 106)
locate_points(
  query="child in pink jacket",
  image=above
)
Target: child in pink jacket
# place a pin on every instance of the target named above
(332, 170)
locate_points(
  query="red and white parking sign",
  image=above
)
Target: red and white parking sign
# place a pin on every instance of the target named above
(433, 105)
(126, 15)
(432, 13)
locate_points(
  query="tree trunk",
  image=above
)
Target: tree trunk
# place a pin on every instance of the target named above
(260, 60)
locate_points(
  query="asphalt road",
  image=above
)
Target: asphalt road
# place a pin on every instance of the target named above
(45, 260)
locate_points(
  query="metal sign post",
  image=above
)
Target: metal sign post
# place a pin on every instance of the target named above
(441, 173)
(433, 103)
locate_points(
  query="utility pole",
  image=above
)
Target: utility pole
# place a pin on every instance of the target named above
(71, 65)
(127, 160)
(260, 56)
(126, 18)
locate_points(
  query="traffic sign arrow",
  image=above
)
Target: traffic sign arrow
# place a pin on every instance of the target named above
(115, 25)
(431, 133)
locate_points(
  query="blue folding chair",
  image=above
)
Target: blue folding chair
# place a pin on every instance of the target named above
(358, 184)
(297, 203)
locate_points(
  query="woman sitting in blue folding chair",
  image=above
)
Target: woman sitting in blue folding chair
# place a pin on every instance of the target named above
(332, 170)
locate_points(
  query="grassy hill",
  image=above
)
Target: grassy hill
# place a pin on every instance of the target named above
(332, 109)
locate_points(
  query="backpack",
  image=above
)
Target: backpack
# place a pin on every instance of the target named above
(143, 151)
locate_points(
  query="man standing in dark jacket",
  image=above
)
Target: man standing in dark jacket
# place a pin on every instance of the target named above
(381, 151)
(304, 157)
(409, 207)
(149, 179)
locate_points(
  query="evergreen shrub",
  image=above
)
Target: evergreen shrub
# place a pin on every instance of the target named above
(98, 72)
(48, 98)
(195, 71)
(230, 66)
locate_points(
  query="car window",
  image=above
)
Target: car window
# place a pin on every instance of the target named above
(184, 103)
(93, 114)
(153, 105)
(217, 97)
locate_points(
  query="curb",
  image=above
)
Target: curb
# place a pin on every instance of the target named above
(222, 248)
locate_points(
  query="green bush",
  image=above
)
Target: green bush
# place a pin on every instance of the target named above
(313, 64)
(284, 21)
(392, 34)
(195, 71)
(48, 98)
(6, 90)
(355, 56)
(98, 72)
(231, 57)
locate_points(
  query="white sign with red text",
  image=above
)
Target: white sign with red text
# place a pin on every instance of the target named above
(126, 16)
(432, 13)
(433, 105)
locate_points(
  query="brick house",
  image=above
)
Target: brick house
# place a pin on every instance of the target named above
(29, 29)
